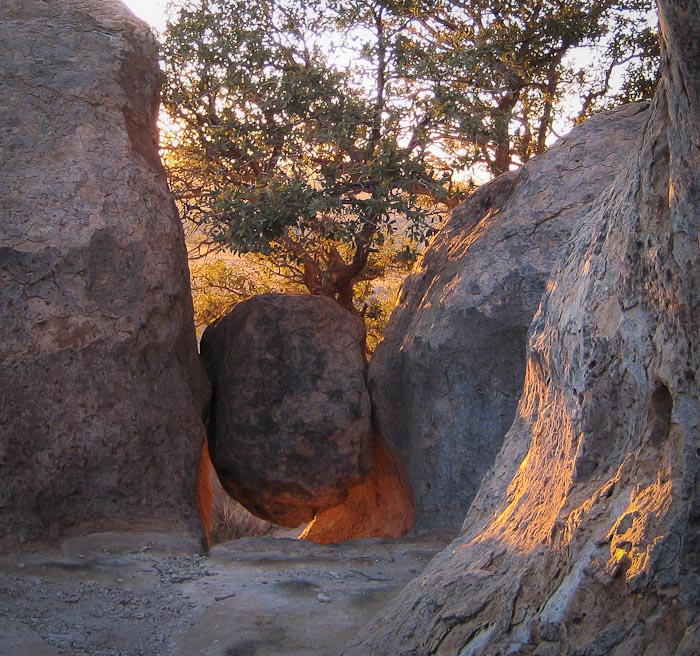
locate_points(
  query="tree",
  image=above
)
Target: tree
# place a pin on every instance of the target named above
(312, 153)
(501, 72)
(278, 152)
(218, 285)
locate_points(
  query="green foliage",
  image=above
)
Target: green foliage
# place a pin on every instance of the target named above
(278, 153)
(501, 73)
(310, 131)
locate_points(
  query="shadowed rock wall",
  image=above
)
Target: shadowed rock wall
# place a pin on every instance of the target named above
(101, 389)
(445, 381)
(583, 538)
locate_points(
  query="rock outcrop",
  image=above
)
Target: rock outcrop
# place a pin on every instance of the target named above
(445, 381)
(290, 429)
(584, 537)
(101, 390)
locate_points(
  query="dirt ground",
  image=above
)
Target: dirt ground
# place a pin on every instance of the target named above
(148, 594)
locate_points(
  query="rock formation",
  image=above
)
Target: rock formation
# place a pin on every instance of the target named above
(381, 506)
(289, 432)
(101, 389)
(445, 381)
(584, 537)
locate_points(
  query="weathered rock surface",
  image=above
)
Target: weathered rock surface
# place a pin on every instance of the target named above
(290, 430)
(584, 537)
(101, 390)
(445, 381)
(381, 506)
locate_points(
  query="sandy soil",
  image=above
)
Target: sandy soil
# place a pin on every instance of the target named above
(148, 594)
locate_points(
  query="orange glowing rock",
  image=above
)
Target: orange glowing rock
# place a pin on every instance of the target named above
(380, 506)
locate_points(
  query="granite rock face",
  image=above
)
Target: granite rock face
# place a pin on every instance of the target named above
(290, 429)
(445, 381)
(584, 536)
(102, 391)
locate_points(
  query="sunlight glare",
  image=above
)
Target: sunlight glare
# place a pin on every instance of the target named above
(151, 11)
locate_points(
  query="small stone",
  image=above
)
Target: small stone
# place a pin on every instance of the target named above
(323, 598)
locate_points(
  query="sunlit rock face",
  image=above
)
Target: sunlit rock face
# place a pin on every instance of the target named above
(446, 380)
(584, 537)
(290, 431)
(101, 392)
(381, 506)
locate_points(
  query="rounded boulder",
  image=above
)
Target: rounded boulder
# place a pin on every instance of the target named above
(290, 429)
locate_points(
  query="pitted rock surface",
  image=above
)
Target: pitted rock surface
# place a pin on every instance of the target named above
(583, 538)
(290, 430)
(101, 387)
(445, 381)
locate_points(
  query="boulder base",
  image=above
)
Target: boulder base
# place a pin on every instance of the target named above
(225, 519)
(381, 506)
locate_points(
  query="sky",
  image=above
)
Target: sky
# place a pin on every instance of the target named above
(152, 11)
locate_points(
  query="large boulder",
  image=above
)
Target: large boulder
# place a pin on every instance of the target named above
(290, 429)
(101, 390)
(445, 381)
(584, 538)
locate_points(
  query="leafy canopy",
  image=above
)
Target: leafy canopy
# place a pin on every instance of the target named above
(307, 131)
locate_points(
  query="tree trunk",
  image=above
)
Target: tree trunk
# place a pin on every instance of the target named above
(503, 155)
(338, 280)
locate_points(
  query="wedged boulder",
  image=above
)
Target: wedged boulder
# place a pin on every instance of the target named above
(584, 537)
(381, 506)
(290, 431)
(101, 389)
(445, 381)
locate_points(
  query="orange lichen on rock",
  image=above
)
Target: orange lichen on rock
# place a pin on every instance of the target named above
(380, 506)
